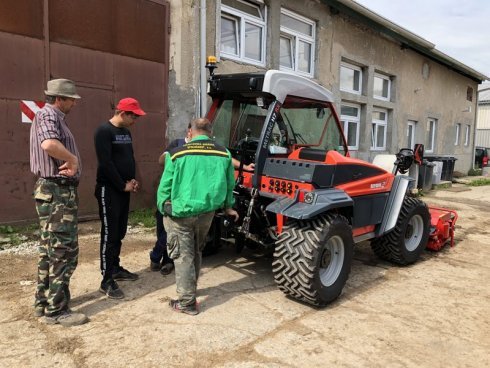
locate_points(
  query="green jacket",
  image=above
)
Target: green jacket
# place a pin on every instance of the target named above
(198, 178)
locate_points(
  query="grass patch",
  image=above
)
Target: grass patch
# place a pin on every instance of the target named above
(142, 217)
(474, 172)
(11, 236)
(479, 182)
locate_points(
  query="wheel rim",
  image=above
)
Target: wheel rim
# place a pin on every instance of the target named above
(414, 232)
(332, 260)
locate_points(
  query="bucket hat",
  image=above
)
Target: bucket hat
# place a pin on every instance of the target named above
(131, 105)
(61, 87)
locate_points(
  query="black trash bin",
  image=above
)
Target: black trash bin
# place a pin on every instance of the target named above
(425, 175)
(450, 161)
(447, 166)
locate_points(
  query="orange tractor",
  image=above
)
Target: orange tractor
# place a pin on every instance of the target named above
(307, 201)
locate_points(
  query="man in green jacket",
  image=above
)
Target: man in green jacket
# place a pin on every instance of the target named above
(198, 180)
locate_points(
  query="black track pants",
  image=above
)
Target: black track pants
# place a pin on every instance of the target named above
(113, 213)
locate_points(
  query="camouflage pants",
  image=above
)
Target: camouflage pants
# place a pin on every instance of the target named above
(57, 207)
(186, 240)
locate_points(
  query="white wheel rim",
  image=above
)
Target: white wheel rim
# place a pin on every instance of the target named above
(332, 261)
(414, 232)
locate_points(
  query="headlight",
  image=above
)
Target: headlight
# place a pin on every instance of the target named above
(309, 197)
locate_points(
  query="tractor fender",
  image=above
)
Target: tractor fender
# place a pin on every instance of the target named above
(323, 201)
(394, 204)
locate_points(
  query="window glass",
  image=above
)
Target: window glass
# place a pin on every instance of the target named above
(309, 123)
(411, 134)
(381, 87)
(286, 58)
(457, 134)
(430, 135)
(379, 115)
(253, 35)
(378, 130)
(304, 57)
(229, 35)
(243, 6)
(243, 28)
(352, 134)
(350, 78)
(296, 25)
(297, 45)
(350, 118)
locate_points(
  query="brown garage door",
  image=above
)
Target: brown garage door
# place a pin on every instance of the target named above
(111, 49)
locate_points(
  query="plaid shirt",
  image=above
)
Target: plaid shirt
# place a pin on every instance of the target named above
(49, 123)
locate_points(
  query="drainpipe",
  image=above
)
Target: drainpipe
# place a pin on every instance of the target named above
(474, 130)
(202, 59)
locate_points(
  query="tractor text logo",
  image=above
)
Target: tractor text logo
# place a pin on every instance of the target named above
(378, 185)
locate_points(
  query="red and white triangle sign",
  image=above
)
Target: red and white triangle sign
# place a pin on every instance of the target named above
(29, 109)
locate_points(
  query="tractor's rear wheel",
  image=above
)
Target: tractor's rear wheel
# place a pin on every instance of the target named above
(406, 242)
(312, 259)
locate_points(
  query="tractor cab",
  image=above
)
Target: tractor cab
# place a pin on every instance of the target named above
(273, 115)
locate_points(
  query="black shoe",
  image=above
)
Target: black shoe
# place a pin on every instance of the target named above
(122, 274)
(187, 309)
(154, 266)
(111, 289)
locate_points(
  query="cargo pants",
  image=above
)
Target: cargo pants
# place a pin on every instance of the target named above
(57, 208)
(186, 239)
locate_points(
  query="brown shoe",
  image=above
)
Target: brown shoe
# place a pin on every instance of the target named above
(167, 269)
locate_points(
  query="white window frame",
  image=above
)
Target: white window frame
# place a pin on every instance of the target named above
(467, 135)
(430, 122)
(458, 133)
(354, 68)
(374, 135)
(387, 78)
(411, 138)
(295, 38)
(346, 119)
(243, 18)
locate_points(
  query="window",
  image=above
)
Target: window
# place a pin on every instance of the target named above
(430, 135)
(297, 43)
(350, 116)
(382, 87)
(378, 129)
(467, 135)
(243, 31)
(469, 94)
(458, 132)
(350, 78)
(411, 134)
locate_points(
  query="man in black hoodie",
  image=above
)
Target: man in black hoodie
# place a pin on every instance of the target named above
(115, 181)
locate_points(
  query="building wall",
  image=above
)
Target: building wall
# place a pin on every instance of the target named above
(482, 138)
(421, 88)
(124, 54)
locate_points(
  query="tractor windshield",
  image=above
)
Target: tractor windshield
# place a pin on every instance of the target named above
(300, 122)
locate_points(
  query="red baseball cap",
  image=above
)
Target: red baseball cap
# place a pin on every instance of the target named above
(131, 105)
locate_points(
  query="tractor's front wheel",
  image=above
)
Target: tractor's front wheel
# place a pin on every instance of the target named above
(406, 242)
(312, 259)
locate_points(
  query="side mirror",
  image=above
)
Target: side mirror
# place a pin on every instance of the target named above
(418, 153)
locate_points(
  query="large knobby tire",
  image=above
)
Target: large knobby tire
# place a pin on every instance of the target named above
(406, 242)
(312, 259)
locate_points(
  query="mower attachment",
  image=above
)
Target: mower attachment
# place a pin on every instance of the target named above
(442, 224)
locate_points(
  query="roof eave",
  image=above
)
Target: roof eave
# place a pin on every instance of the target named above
(405, 37)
